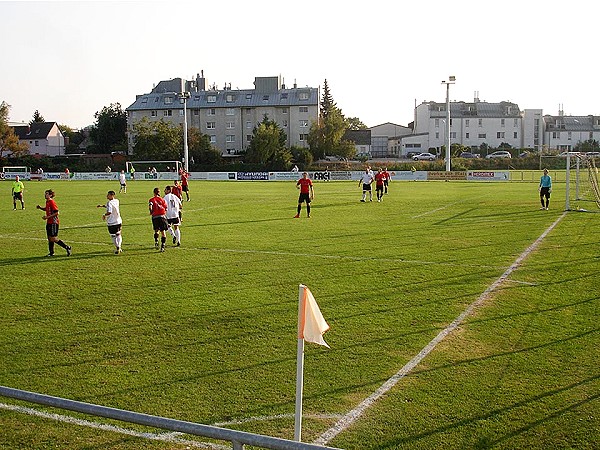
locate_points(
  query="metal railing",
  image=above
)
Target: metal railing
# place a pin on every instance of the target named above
(237, 438)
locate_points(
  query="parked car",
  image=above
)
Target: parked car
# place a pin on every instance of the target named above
(424, 157)
(524, 154)
(571, 154)
(499, 154)
(469, 155)
(594, 154)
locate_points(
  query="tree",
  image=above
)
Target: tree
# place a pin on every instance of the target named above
(9, 141)
(325, 135)
(109, 133)
(354, 123)
(72, 138)
(591, 145)
(37, 118)
(158, 141)
(200, 150)
(268, 146)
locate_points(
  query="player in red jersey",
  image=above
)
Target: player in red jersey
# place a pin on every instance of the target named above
(158, 210)
(379, 184)
(306, 193)
(176, 189)
(387, 179)
(184, 183)
(51, 218)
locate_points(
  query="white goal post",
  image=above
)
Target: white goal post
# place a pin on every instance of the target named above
(587, 190)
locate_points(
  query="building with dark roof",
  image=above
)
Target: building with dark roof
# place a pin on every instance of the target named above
(228, 116)
(42, 138)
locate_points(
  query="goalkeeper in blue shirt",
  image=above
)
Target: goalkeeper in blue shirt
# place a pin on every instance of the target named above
(545, 189)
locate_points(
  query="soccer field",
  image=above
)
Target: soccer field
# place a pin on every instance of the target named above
(206, 332)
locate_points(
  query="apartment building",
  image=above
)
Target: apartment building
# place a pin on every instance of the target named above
(563, 133)
(41, 138)
(228, 116)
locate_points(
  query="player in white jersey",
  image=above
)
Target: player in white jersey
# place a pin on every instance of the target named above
(112, 216)
(174, 207)
(122, 182)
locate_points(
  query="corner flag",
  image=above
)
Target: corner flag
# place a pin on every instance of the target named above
(311, 324)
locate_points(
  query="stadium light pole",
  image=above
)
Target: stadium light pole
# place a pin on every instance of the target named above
(451, 80)
(184, 95)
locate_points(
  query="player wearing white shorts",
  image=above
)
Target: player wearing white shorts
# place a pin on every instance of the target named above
(174, 207)
(112, 216)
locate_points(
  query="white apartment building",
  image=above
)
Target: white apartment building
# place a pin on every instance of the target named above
(563, 133)
(228, 116)
(471, 125)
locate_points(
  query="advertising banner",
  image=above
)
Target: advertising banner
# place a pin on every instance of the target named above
(253, 176)
(487, 175)
(439, 175)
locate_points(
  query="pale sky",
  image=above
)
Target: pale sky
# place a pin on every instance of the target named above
(69, 59)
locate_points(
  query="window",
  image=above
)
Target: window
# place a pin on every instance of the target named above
(437, 123)
(211, 98)
(230, 138)
(451, 122)
(481, 135)
(168, 100)
(153, 113)
(248, 137)
(210, 125)
(500, 135)
(145, 100)
(230, 125)
(37, 143)
(181, 113)
(230, 98)
(248, 124)
(284, 110)
(248, 96)
(285, 123)
(556, 135)
(466, 123)
(284, 96)
(303, 96)
(303, 137)
(453, 135)
(303, 109)
(502, 123)
(230, 112)
(213, 139)
(248, 111)
(516, 123)
(569, 136)
(480, 122)
(437, 134)
(303, 123)
(265, 98)
(211, 112)
(167, 112)
(196, 112)
(515, 135)
(467, 135)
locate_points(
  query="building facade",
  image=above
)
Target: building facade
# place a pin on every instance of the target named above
(42, 138)
(563, 133)
(228, 116)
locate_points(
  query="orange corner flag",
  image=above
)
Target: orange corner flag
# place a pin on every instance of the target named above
(311, 324)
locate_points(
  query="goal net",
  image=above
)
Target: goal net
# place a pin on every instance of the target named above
(583, 189)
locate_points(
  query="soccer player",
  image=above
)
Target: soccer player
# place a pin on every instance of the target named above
(112, 216)
(379, 184)
(366, 180)
(158, 211)
(174, 207)
(307, 193)
(176, 189)
(545, 189)
(18, 188)
(51, 218)
(387, 179)
(184, 183)
(122, 182)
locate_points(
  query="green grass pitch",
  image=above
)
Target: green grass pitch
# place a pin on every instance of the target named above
(207, 332)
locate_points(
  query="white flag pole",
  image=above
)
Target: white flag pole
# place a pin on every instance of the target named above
(299, 367)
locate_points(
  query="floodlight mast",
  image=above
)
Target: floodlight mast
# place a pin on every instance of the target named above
(184, 95)
(451, 80)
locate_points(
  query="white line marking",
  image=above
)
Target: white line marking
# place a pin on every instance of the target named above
(164, 437)
(436, 210)
(354, 414)
(275, 417)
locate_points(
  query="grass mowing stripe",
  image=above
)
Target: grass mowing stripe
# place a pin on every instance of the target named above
(355, 414)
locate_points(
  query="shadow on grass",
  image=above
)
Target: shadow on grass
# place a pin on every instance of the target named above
(487, 442)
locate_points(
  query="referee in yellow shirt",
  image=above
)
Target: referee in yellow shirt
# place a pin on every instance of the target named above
(17, 192)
